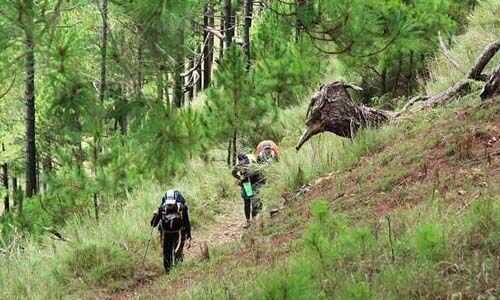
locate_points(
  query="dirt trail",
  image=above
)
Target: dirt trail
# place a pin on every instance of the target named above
(227, 228)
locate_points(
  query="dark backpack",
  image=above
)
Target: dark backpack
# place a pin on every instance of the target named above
(171, 217)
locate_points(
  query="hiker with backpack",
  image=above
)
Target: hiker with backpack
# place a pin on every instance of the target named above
(267, 151)
(172, 219)
(250, 178)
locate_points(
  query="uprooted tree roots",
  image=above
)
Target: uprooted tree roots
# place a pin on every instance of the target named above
(332, 109)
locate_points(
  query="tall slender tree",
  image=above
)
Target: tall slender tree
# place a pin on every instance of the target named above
(5, 177)
(28, 24)
(208, 21)
(102, 94)
(247, 12)
(228, 23)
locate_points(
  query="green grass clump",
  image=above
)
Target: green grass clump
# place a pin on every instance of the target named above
(484, 28)
(95, 263)
(338, 261)
(429, 241)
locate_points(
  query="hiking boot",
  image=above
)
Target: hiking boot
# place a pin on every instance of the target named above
(248, 224)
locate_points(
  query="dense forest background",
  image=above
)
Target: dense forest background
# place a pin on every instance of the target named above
(98, 96)
(105, 104)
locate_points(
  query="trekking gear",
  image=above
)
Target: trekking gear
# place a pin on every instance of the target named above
(173, 244)
(145, 252)
(247, 186)
(173, 195)
(241, 156)
(171, 217)
(268, 146)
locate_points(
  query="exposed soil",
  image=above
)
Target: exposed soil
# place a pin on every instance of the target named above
(458, 168)
(227, 229)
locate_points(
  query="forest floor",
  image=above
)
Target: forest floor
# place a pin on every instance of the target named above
(228, 228)
(456, 160)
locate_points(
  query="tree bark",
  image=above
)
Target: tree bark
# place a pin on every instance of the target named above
(248, 7)
(5, 176)
(102, 92)
(178, 94)
(140, 76)
(199, 82)
(228, 23)
(14, 190)
(208, 50)
(409, 78)
(474, 73)
(398, 74)
(221, 41)
(229, 147)
(301, 7)
(189, 83)
(492, 87)
(234, 147)
(332, 109)
(31, 186)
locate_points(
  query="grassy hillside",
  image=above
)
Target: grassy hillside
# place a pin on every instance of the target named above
(409, 210)
(419, 218)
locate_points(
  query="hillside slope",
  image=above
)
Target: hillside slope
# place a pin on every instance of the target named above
(408, 210)
(433, 180)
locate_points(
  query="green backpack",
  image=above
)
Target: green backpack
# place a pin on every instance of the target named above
(247, 186)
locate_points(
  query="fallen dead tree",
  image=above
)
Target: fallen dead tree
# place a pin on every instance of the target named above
(474, 74)
(332, 109)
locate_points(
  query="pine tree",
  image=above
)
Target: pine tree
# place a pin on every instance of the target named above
(236, 104)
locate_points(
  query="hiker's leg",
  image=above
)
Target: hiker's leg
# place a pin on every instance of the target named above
(179, 257)
(247, 207)
(256, 205)
(168, 250)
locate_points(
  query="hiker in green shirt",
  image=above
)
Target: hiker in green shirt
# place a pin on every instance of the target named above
(250, 178)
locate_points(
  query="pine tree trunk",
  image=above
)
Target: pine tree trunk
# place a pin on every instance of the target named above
(199, 83)
(398, 74)
(40, 187)
(208, 50)
(300, 7)
(14, 190)
(102, 91)
(122, 120)
(47, 164)
(140, 76)
(234, 147)
(228, 23)
(166, 86)
(246, 30)
(410, 75)
(31, 186)
(384, 81)
(178, 94)
(229, 148)
(221, 41)
(189, 84)
(5, 169)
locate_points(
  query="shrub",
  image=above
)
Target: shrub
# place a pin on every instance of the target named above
(429, 241)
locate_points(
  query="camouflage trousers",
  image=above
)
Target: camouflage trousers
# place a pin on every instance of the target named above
(252, 205)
